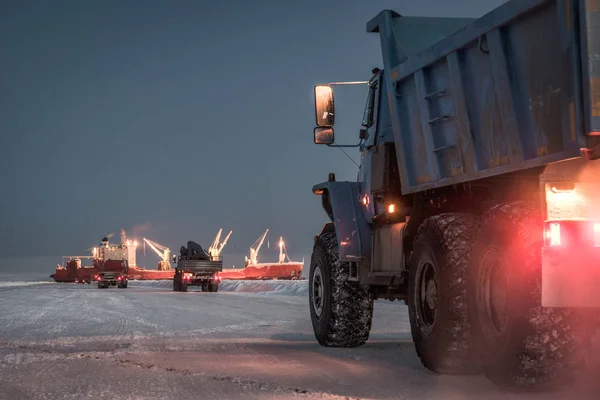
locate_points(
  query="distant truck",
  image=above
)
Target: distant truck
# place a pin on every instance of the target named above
(195, 267)
(477, 198)
(113, 273)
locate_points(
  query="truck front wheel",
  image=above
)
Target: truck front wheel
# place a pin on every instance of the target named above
(524, 345)
(437, 302)
(341, 311)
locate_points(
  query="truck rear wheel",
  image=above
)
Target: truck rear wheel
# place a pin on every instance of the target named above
(341, 311)
(177, 281)
(437, 292)
(525, 346)
(213, 287)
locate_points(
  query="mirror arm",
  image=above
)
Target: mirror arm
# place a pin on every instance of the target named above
(345, 145)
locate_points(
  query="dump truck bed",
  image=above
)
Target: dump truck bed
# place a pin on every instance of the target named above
(200, 266)
(515, 89)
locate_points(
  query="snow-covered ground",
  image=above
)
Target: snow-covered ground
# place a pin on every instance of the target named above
(249, 340)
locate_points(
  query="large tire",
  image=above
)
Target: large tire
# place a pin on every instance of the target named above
(341, 311)
(213, 287)
(177, 281)
(437, 293)
(525, 346)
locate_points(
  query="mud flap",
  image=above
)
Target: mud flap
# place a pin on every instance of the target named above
(570, 278)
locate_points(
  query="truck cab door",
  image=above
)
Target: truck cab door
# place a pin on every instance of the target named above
(369, 123)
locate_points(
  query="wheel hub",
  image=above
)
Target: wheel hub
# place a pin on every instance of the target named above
(493, 293)
(427, 297)
(431, 294)
(317, 291)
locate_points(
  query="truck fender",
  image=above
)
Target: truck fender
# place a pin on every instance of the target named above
(341, 202)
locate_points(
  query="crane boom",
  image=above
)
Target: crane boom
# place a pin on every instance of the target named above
(215, 243)
(157, 245)
(216, 247)
(225, 241)
(255, 248)
(163, 252)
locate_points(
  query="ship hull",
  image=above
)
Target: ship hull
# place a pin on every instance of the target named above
(62, 275)
(260, 271)
(264, 271)
(141, 274)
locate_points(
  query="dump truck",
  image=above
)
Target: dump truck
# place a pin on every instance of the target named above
(113, 273)
(476, 201)
(196, 267)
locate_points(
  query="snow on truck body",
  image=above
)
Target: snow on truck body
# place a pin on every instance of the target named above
(475, 201)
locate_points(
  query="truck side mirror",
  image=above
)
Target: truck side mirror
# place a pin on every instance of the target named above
(324, 106)
(324, 135)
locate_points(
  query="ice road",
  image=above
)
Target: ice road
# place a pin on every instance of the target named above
(249, 340)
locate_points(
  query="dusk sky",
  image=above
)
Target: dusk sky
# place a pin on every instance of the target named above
(181, 117)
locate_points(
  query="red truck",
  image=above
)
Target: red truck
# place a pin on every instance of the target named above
(113, 273)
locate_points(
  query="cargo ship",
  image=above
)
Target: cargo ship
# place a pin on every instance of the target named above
(253, 270)
(72, 269)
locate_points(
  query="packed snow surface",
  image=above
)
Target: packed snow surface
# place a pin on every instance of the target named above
(252, 339)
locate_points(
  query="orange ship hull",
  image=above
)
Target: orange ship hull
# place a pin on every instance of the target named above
(80, 274)
(261, 271)
(142, 274)
(63, 275)
(291, 270)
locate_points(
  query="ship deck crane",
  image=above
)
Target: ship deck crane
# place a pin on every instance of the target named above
(253, 259)
(283, 251)
(216, 247)
(163, 252)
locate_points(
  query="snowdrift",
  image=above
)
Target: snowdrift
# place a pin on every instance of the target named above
(273, 287)
(286, 288)
(23, 283)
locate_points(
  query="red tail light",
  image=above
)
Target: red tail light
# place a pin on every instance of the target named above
(572, 234)
(553, 234)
